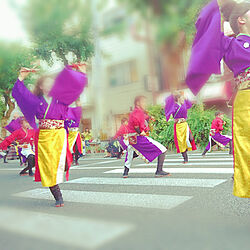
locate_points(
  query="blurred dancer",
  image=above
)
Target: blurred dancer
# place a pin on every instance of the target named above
(25, 138)
(215, 136)
(139, 142)
(14, 125)
(50, 105)
(209, 47)
(177, 106)
(123, 130)
(74, 138)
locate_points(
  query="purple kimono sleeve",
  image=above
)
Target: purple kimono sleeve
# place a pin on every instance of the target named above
(68, 86)
(208, 48)
(27, 102)
(188, 104)
(13, 125)
(169, 106)
(75, 114)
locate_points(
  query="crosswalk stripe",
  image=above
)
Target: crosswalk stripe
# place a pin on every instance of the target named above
(178, 182)
(201, 159)
(80, 167)
(74, 232)
(176, 170)
(208, 154)
(108, 198)
(190, 164)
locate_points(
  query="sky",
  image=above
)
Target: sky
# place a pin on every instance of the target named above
(11, 28)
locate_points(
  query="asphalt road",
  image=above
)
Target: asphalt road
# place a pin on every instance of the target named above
(192, 209)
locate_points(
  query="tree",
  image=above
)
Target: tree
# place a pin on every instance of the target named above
(172, 26)
(59, 27)
(12, 58)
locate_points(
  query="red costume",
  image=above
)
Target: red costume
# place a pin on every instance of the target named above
(19, 135)
(217, 124)
(121, 131)
(138, 119)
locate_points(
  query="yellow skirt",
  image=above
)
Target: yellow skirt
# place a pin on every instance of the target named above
(181, 138)
(72, 136)
(51, 149)
(241, 142)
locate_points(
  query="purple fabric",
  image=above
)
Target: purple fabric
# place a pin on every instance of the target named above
(224, 140)
(147, 148)
(171, 108)
(74, 117)
(210, 46)
(27, 102)
(23, 158)
(122, 143)
(35, 106)
(13, 125)
(68, 86)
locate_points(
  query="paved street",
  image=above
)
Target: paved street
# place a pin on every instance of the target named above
(192, 209)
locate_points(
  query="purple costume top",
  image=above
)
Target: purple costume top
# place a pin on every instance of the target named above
(73, 117)
(211, 45)
(67, 88)
(13, 125)
(172, 108)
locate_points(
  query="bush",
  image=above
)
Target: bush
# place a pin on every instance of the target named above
(199, 121)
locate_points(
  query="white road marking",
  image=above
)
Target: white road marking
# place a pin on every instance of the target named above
(98, 163)
(176, 170)
(93, 168)
(178, 182)
(71, 231)
(92, 159)
(72, 168)
(201, 159)
(190, 164)
(107, 198)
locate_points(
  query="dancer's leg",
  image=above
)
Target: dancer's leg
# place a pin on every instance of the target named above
(56, 192)
(159, 171)
(185, 156)
(128, 160)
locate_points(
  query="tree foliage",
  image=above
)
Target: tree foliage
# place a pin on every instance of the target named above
(168, 18)
(199, 121)
(12, 58)
(60, 27)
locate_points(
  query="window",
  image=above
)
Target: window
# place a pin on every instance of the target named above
(122, 74)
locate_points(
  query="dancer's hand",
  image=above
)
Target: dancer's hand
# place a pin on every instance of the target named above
(78, 102)
(24, 72)
(82, 67)
(143, 133)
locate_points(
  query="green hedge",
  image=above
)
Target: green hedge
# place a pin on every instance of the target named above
(199, 121)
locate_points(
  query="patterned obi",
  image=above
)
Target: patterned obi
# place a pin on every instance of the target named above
(243, 80)
(212, 131)
(74, 129)
(24, 145)
(180, 120)
(51, 124)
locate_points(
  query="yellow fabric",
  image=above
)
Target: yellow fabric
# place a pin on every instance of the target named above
(181, 133)
(241, 141)
(72, 136)
(87, 136)
(51, 155)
